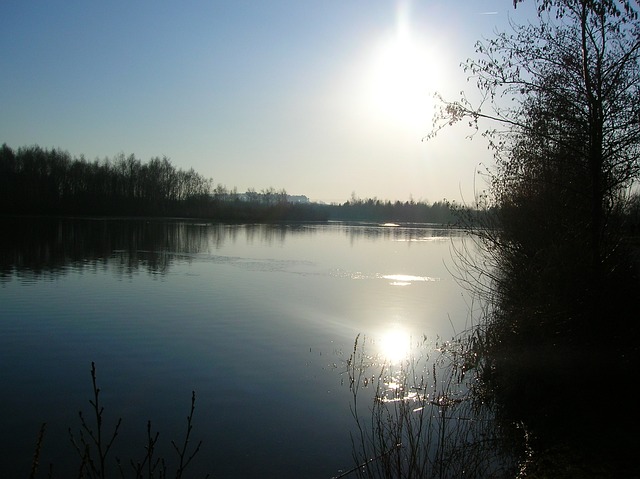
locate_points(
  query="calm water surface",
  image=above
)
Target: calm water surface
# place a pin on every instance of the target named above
(256, 319)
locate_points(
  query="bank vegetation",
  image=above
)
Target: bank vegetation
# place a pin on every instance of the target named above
(558, 340)
(40, 181)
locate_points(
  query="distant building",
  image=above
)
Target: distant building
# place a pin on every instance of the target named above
(297, 199)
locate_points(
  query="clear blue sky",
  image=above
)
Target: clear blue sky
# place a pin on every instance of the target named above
(322, 98)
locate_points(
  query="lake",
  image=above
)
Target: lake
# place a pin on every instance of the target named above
(258, 320)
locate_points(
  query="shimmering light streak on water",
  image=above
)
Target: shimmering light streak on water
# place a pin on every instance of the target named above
(406, 279)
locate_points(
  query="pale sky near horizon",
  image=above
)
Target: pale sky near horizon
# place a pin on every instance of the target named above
(322, 98)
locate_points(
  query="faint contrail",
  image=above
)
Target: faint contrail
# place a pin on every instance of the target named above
(488, 13)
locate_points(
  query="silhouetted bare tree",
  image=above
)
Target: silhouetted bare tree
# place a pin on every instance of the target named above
(561, 98)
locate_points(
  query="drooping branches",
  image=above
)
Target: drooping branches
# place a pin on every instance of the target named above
(562, 101)
(559, 102)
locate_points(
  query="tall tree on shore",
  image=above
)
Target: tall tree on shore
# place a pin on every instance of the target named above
(559, 103)
(564, 99)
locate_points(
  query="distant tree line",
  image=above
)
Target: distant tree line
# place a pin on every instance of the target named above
(38, 181)
(34, 180)
(373, 209)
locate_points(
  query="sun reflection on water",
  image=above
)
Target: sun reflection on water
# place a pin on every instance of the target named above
(406, 279)
(395, 345)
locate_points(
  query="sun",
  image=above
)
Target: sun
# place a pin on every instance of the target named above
(402, 78)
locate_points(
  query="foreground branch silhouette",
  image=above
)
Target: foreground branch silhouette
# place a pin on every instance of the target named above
(93, 444)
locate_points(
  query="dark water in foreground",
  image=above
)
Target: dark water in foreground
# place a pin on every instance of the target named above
(257, 319)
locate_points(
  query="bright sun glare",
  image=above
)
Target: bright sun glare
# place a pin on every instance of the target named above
(395, 345)
(403, 77)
